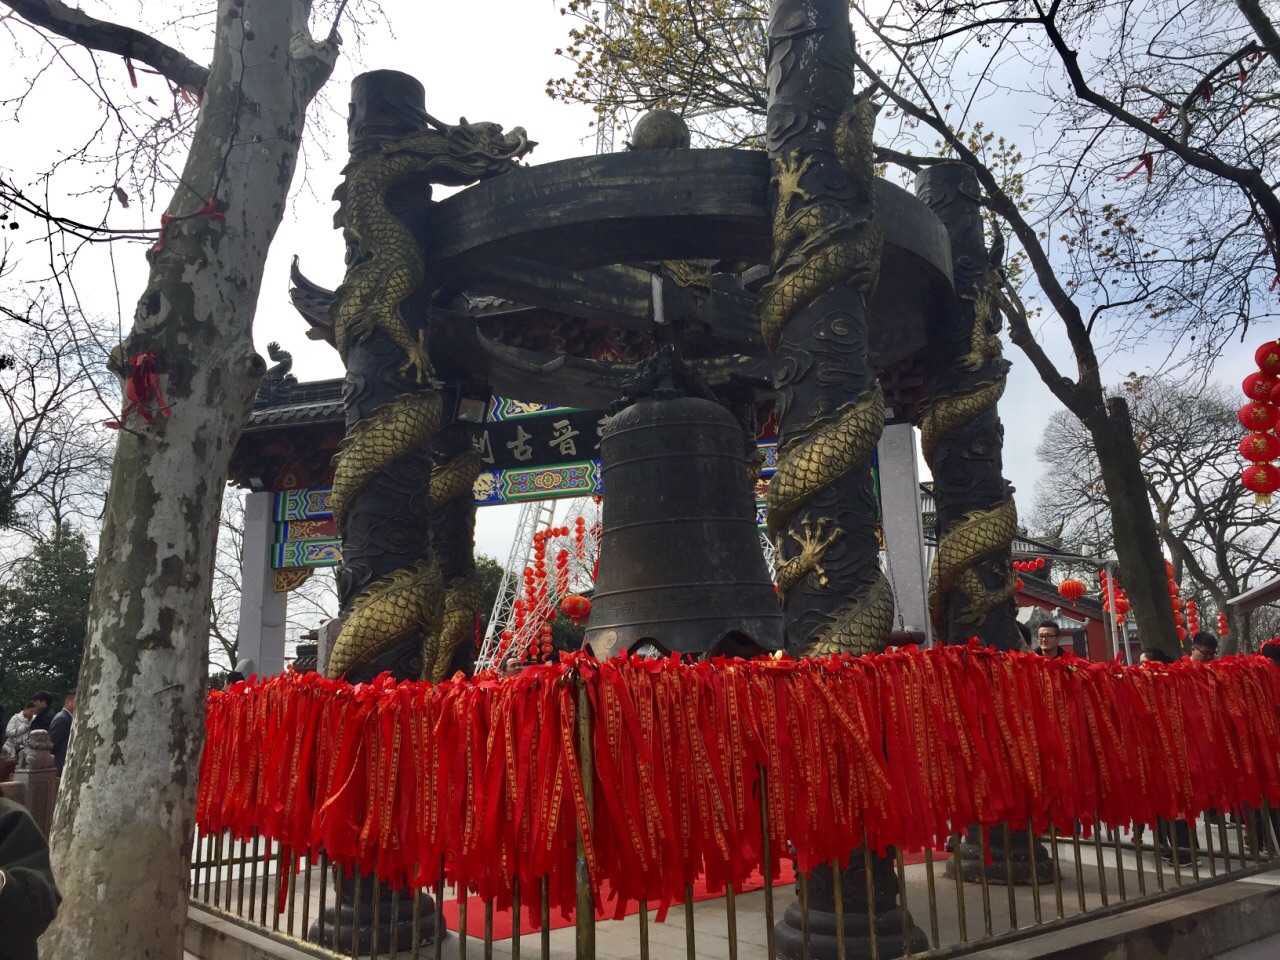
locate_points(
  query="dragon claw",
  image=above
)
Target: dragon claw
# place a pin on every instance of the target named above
(814, 541)
(418, 363)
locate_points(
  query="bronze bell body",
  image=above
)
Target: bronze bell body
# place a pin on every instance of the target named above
(681, 565)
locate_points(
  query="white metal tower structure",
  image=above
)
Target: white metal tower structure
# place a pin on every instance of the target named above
(604, 122)
(534, 515)
(525, 604)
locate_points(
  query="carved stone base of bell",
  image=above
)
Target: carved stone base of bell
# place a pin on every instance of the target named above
(893, 932)
(1025, 857)
(338, 929)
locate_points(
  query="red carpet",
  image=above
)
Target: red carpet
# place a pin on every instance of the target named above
(530, 923)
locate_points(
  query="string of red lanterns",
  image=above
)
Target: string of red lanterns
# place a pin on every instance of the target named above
(535, 608)
(1113, 597)
(1259, 416)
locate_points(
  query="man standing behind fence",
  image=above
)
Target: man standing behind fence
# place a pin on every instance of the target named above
(60, 729)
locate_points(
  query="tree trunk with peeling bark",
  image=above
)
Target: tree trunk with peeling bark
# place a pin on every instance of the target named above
(123, 828)
(1137, 539)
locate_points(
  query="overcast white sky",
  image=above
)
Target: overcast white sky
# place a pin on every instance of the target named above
(485, 60)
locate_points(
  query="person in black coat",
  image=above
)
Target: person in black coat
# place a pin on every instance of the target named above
(60, 729)
(28, 895)
(45, 710)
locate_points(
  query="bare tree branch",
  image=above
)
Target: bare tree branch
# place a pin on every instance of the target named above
(95, 34)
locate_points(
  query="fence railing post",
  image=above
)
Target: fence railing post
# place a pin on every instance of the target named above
(586, 911)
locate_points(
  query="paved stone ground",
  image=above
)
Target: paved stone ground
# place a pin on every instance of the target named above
(1267, 949)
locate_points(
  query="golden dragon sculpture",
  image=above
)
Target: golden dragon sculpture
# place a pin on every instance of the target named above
(820, 245)
(980, 534)
(386, 268)
(389, 266)
(392, 610)
(464, 595)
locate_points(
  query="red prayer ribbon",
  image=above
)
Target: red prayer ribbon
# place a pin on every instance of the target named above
(483, 775)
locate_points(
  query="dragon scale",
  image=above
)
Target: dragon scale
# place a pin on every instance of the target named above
(393, 610)
(978, 536)
(452, 483)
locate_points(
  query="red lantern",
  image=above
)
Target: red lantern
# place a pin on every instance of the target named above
(1263, 479)
(1224, 626)
(1260, 447)
(1182, 633)
(1267, 357)
(1019, 583)
(1173, 588)
(1258, 386)
(1072, 589)
(1168, 570)
(1192, 607)
(576, 607)
(1122, 605)
(1178, 618)
(1256, 415)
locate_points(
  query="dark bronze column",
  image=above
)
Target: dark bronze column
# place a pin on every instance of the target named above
(973, 584)
(394, 511)
(389, 584)
(822, 505)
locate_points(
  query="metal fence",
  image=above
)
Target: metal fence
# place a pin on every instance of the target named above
(989, 886)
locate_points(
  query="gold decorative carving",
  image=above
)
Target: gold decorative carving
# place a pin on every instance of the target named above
(291, 578)
(393, 610)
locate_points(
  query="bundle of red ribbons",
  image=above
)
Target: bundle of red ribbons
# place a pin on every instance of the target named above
(481, 781)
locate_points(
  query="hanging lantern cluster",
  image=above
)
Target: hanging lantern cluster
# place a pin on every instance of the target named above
(1259, 416)
(1176, 601)
(535, 606)
(1193, 617)
(1027, 566)
(1224, 625)
(562, 565)
(1072, 590)
(1113, 596)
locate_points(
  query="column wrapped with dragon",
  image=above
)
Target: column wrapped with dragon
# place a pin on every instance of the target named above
(822, 501)
(972, 584)
(400, 609)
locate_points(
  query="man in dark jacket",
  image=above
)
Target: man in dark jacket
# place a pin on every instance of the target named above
(60, 729)
(45, 710)
(28, 896)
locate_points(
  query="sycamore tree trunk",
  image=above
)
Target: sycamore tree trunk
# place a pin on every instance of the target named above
(122, 832)
(1137, 539)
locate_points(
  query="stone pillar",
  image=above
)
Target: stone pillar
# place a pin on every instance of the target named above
(262, 610)
(37, 775)
(903, 527)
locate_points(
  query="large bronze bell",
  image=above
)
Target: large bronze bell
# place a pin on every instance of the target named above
(680, 560)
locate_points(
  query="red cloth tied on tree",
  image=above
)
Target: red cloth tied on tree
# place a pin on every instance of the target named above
(142, 391)
(479, 781)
